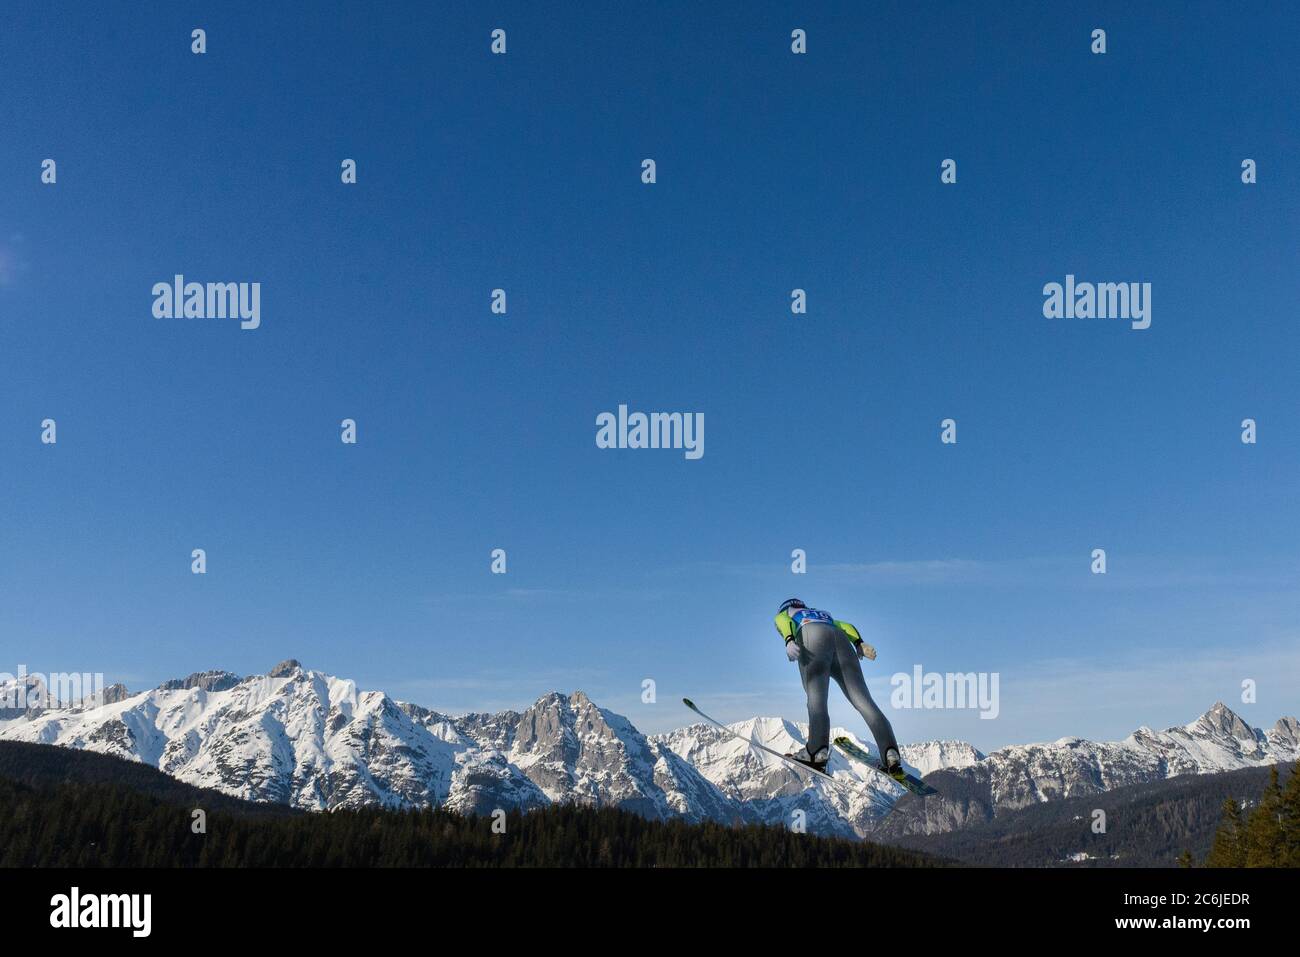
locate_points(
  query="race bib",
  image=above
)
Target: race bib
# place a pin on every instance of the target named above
(803, 616)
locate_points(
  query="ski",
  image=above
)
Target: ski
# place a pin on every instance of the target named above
(754, 744)
(909, 781)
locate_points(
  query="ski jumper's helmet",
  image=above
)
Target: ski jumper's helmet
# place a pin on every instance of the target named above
(790, 603)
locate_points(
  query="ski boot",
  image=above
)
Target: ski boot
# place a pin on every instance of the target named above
(817, 761)
(892, 764)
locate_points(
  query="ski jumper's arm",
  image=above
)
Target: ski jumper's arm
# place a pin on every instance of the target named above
(787, 628)
(856, 638)
(849, 630)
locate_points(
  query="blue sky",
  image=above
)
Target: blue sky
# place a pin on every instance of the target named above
(477, 431)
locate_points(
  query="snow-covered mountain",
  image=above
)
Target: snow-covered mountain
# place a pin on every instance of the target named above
(770, 790)
(1020, 775)
(304, 738)
(567, 749)
(314, 741)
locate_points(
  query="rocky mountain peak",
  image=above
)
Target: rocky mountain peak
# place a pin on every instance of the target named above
(285, 668)
(1222, 720)
(203, 680)
(1287, 731)
(114, 693)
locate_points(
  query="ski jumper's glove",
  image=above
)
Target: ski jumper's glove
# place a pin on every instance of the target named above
(792, 649)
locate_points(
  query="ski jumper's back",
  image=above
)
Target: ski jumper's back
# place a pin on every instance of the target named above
(789, 623)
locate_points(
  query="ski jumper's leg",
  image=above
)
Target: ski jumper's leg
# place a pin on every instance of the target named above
(847, 672)
(815, 669)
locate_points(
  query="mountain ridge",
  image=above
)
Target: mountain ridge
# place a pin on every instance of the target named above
(315, 741)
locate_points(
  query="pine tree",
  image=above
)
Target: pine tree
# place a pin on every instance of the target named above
(1227, 849)
(1263, 844)
(1185, 859)
(1291, 820)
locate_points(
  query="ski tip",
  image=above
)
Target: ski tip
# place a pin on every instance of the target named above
(688, 702)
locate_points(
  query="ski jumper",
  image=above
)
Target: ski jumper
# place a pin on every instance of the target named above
(829, 650)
